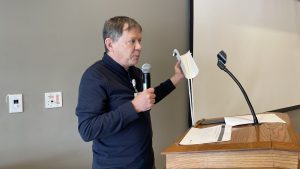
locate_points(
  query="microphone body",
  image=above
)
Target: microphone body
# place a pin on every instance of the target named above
(221, 64)
(146, 76)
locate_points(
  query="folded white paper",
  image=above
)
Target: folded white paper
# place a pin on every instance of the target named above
(248, 119)
(188, 65)
(207, 135)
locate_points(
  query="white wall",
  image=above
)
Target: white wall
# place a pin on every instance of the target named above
(262, 42)
(45, 45)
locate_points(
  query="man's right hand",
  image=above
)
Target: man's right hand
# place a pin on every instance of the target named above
(144, 100)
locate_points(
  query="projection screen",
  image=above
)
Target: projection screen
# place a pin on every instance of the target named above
(262, 42)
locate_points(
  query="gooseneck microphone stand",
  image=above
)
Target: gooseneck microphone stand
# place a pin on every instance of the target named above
(221, 64)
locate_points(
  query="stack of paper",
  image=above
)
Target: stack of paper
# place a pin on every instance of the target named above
(207, 135)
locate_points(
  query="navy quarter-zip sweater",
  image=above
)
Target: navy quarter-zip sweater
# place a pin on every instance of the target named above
(122, 137)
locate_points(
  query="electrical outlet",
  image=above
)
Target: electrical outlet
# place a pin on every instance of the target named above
(53, 100)
(15, 103)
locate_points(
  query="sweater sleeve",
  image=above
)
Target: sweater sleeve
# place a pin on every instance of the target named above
(95, 119)
(163, 90)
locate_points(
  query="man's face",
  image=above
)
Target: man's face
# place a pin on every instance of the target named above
(127, 49)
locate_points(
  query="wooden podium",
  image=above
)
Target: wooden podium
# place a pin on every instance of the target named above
(268, 145)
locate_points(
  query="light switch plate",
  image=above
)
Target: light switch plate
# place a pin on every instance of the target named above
(53, 100)
(15, 103)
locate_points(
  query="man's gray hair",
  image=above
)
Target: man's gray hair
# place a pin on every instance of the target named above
(113, 28)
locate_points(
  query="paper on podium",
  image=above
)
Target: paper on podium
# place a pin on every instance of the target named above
(207, 135)
(248, 119)
(187, 64)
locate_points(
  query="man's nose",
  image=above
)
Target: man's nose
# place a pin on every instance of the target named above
(138, 45)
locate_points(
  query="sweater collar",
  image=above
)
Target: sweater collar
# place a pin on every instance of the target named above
(114, 66)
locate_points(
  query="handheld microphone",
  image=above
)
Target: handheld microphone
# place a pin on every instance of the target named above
(222, 58)
(146, 76)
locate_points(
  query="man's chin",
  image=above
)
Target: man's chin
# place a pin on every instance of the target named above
(135, 61)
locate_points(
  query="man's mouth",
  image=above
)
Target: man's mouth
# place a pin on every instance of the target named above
(136, 56)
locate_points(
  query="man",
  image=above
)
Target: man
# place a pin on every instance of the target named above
(113, 110)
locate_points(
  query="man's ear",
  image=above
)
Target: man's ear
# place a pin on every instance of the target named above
(109, 44)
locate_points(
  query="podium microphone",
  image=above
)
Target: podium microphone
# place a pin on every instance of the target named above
(222, 58)
(146, 76)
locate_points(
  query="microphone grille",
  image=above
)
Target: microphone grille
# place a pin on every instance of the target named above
(146, 68)
(222, 57)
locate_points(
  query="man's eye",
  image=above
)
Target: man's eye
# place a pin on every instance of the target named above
(131, 41)
(134, 41)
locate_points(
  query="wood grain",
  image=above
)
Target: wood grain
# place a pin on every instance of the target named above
(268, 145)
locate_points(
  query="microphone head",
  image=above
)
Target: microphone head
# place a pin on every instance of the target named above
(222, 57)
(146, 68)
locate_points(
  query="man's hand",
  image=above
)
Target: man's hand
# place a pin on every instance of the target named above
(178, 76)
(144, 100)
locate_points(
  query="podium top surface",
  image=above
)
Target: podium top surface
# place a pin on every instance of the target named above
(266, 136)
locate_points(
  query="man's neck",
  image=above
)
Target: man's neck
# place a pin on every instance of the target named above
(117, 60)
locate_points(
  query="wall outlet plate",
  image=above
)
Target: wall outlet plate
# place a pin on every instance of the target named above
(53, 100)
